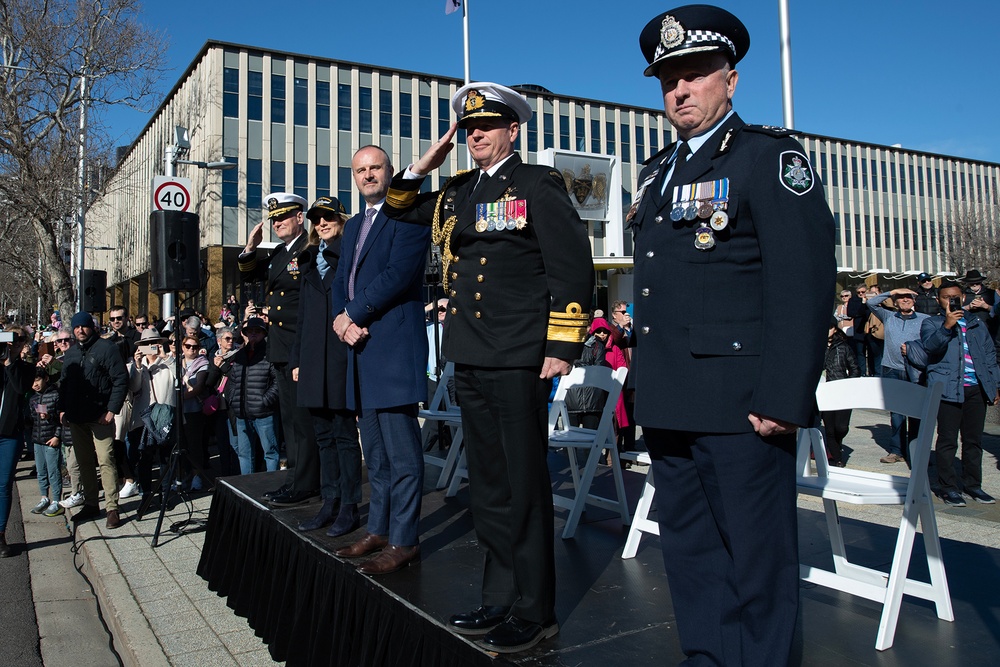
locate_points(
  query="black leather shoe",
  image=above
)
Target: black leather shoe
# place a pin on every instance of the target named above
(324, 517)
(293, 498)
(478, 621)
(88, 513)
(952, 499)
(267, 495)
(516, 634)
(980, 496)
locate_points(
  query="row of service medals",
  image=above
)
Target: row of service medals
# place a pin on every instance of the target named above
(705, 202)
(502, 215)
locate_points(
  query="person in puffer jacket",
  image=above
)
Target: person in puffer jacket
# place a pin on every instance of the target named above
(840, 363)
(252, 395)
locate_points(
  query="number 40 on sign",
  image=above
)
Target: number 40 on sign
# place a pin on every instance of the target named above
(171, 193)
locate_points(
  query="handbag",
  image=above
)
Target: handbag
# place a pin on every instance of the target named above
(211, 403)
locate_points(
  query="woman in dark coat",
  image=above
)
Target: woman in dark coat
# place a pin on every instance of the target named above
(840, 363)
(319, 363)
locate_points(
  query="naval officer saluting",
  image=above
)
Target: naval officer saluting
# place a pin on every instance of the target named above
(282, 273)
(519, 276)
(720, 389)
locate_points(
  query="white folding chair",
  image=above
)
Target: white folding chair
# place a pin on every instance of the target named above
(860, 487)
(641, 523)
(591, 441)
(441, 410)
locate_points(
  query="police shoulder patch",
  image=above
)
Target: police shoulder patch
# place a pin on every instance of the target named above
(795, 172)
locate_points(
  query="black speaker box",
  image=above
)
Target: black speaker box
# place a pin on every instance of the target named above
(95, 286)
(174, 250)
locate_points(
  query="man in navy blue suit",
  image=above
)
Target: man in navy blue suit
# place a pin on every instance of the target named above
(721, 390)
(380, 314)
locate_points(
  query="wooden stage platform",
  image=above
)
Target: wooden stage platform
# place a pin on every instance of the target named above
(314, 609)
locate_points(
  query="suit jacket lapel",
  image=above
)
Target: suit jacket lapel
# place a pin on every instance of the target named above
(378, 224)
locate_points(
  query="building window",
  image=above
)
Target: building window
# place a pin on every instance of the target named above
(323, 104)
(444, 115)
(595, 136)
(344, 107)
(405, 115)
(255, 184)
(654, 143)
(640, 143)
(231, 187)
(277, 176)
(255, 95)
(609, 138)
(385, 112)
(277, 98)
(626, 143)
(345, 183)
(548, 130)
(230, 92)
(322, 180)
(581, 138)
(301, 102)
(564, 132)
(533, 131)
(300, 184)
(424, 104)
(365, 110)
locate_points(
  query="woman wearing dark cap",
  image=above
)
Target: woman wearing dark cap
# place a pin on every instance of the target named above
(319, 363)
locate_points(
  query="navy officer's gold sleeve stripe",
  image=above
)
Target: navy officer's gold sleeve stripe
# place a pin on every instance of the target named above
(249, 264)
(570, 326)
(401, 199)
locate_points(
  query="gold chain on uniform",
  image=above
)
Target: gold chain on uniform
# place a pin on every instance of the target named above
(441, 234)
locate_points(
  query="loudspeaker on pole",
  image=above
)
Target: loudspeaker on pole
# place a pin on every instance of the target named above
(174, 251)
(95, 286)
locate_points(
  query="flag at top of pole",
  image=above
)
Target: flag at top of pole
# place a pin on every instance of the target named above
(452, 6)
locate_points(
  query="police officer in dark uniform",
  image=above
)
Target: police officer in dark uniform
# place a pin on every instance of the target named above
(519, 275)
(282, 272)
(730, 214)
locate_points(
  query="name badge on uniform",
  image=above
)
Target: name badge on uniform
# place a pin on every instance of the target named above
(502, 216)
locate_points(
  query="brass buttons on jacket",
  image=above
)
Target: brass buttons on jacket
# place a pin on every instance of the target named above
(737, 346)
(482, 261)
(645, 291)
(645, 330)
(481, 278)
(479, 315)
(479, 296)
(650, 254)
(454, 275)
(453, 293)
(454, 310)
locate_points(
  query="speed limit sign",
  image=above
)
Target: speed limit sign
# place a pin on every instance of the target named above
(171, 193)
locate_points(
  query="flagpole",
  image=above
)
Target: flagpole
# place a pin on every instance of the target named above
(465, 25)
(786, 65)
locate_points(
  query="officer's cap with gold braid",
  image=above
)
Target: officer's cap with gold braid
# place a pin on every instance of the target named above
(325, 206)
(489, 100)
(279, 203)
(693, 29)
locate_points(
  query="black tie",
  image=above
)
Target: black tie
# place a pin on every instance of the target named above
(680, 159)
(483, 178)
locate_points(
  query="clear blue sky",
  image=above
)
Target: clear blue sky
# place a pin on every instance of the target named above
(883, 71)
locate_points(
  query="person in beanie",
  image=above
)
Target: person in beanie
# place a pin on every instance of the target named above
(92, 390)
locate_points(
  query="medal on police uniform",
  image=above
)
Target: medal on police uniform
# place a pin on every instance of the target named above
(704, 239)
(677, 212)
(719, 220)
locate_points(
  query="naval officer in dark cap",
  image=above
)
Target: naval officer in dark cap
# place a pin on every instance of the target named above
(282, 274)
(720, 392)
(519, 276)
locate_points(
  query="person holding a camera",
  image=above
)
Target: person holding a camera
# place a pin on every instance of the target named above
(17, 379)
(961, 354)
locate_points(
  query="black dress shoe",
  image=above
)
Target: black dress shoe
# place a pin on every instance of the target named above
(293, 498)
(88, 513)
(516, 634)
(952, 499)
(478, 621)
(980, 496)
(324, 517)
(267, 495)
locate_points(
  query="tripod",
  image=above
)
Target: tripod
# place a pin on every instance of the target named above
(179, 449)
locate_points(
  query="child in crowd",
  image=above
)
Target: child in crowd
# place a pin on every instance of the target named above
(46, 433)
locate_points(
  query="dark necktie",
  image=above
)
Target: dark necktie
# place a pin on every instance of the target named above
(483, 178)
(680, 159)
(366, 226)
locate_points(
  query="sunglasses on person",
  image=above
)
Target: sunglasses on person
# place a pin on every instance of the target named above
(191, 347)
(139, 324)
(442, 309)
(57, 341)
(114, 318)
(845, 295)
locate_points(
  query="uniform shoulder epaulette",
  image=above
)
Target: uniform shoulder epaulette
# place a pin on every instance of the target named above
(657, 156)
(772, 130)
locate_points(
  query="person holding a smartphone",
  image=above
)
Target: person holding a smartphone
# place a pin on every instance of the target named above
(962, 355)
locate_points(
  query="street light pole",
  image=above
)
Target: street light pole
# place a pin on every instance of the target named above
(81, 213)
